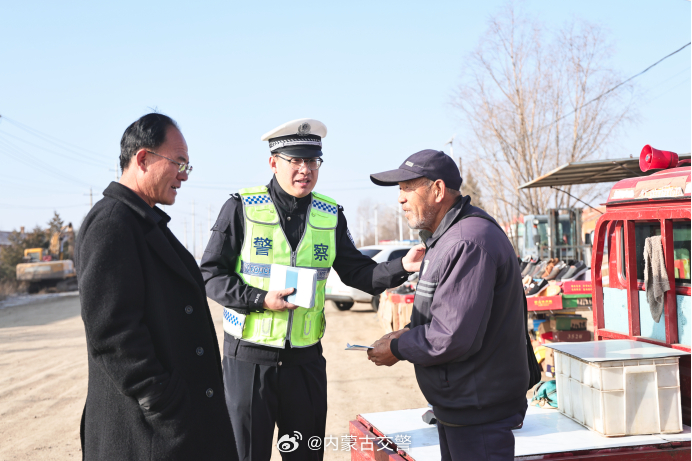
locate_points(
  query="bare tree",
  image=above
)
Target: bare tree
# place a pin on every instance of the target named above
(523, 96)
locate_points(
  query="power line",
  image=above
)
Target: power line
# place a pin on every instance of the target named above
(669, 89)
(82, 159)
(38, 165)
(616, 86)
(575, 198)
(48, 138)
(671, 78)
(56, 207)
(13, 182)
(604, 93)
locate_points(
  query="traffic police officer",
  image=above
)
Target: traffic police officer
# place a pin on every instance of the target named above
(274, 371)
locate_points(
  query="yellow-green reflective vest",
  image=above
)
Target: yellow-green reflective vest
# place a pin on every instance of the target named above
(264, 244)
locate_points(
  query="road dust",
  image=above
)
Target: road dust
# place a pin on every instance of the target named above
(43, 376)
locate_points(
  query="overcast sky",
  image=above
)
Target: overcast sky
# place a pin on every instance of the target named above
(380, 75)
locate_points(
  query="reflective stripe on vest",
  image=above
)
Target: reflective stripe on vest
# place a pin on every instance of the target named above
(264, 244)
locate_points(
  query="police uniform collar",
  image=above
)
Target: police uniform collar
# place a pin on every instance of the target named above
(285, 200)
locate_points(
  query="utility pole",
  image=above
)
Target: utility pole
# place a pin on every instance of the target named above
(451, 145)
(201, 239)
(401, 228)
(377, 234)
(185, 232)
(91, 199)
(117, 178)
(194, 240)
(451, 150)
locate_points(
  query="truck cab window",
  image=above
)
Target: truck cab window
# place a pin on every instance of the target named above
(681, 251)
(681, 248)
(642, 231)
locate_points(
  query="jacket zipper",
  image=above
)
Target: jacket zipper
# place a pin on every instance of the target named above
(420, 273)
(290, 313)
(294, 258)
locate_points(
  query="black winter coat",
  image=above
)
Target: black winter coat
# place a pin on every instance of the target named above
(155, 379)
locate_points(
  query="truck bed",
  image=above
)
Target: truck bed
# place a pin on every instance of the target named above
(546, 434)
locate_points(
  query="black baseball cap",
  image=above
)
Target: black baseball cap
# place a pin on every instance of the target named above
(432, 164)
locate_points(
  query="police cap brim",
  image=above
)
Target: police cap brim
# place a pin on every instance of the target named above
(300, 152)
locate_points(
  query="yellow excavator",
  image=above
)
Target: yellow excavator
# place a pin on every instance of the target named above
(46, 269)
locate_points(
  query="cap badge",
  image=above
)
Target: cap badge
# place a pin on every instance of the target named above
(409, 163)
(304, 129)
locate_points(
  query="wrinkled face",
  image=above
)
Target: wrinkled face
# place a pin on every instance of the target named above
(297, 183)
(418, 203)
(162, 179)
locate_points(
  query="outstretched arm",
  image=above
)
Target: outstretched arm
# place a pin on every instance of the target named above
(359, 271)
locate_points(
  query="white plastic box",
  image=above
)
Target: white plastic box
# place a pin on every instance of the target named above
(634, 396)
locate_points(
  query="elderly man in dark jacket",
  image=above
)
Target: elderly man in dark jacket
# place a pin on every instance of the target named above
(155, 379)
(467, 336)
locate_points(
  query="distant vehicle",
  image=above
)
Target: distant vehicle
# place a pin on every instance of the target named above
(46, 268)
(344, 296)
(556, 234)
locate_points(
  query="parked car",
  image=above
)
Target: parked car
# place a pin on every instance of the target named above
(344, 296)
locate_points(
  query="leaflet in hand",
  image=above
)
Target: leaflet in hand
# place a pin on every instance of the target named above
(356, 347)
(303, 280)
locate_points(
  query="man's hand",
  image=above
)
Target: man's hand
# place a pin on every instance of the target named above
(274, 301)
(413, 258)
(382, 354)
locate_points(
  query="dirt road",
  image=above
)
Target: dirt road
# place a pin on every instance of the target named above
(43, 377)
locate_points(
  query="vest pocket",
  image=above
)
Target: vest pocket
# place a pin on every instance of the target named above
(313, 326)
(308, 325)
(265, 326)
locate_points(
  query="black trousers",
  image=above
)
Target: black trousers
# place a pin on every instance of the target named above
(483, 442)
(292, 397)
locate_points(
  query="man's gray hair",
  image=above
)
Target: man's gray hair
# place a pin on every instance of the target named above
(428, 182)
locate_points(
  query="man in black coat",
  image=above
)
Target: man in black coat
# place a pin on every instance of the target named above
(155, 379)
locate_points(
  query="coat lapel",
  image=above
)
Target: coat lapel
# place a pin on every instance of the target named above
(159, 243)
(155, 237)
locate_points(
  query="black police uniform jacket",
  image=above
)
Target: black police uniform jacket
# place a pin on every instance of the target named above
(155, 379)
(228, 289)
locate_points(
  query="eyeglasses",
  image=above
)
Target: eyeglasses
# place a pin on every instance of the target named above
(297, 163)
(182, 167)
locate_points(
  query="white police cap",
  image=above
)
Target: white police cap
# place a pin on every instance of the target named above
(297, 138)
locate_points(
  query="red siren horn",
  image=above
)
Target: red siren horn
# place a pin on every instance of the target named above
(654, 159)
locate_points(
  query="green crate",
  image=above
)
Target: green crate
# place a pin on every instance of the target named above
(567, 323)
(576, 301)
